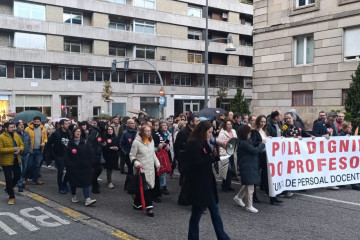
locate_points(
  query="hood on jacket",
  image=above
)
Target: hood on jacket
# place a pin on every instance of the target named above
(31, 125)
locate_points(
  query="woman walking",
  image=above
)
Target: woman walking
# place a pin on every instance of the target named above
(199, 186)
(143, 158)
(79, 166)
(110, 152)
(167, 144)
(248, 156)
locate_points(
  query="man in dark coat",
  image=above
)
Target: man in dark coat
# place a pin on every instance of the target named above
(56, 150)
(274, 124)
(94, 142)
(126, 141)
(326, 127)
(25, 137)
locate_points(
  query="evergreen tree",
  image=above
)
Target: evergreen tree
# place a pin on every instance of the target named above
(352, 102)
(239, 103)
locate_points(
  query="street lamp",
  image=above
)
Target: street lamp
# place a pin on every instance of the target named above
(229, 48)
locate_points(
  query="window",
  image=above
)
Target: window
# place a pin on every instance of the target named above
(145, 3)
(194, 57)
(69, 73)
(304, 50)
(145, 78)
(224, 81)
(144, 27)
(3, 70)
(180, 79)
(302, 98)
(118, 26)
(73, 18)
(248, 82)
(32, 72)
(194, 34)
(301, 3)
(194, 12)
(72, 45)
(117, 50)
(98, 75)
(118, 1)
(96, 111)
(29, 10)
(352, 44)
(32, 41)
(145, 52)
(40, 103)
(118, 76)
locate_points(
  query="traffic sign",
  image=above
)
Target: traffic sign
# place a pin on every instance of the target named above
(162, 92)
(162, 100)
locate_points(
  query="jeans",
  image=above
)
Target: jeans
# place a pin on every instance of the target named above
(86, 191)
(196, 213)
(162, 180)
(24, 168)
(62, 179)
(12, 175)
(35, 160)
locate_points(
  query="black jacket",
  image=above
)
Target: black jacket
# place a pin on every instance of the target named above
(320, 129)
(94, 141)
(199, 185)
(295, 130)
(343, 133)
(110, 156)
(126, 141)
(180, 144)
(56, 146)
(79, 164)
(271, 128)
(248, 157)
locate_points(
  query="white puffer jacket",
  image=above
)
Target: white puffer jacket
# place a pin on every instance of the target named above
(144, 154)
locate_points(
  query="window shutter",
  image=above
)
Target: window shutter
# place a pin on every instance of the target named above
(351, 42)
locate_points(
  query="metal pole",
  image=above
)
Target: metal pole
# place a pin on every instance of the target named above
(206, 105)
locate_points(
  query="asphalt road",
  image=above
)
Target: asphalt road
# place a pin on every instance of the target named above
(315, 214)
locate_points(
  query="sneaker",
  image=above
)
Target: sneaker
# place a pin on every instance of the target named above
(25, 181)
(11, 201)
(111, 186)
(62, 191)
(20, 188)
(239, 201)
(251, 209)
(89, 201)
(164, 191)
(74, 199)
(38, 182)
(333, 188)
(49, 166)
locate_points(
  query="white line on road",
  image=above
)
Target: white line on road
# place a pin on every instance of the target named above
(328, 199)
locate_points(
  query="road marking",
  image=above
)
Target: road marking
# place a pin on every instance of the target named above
(328, 199)
(122, 235)
(70, 212)
(18, 219)
(37, 197)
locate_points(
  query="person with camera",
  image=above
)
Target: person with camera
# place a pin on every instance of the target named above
(199, 187)
(142, 156)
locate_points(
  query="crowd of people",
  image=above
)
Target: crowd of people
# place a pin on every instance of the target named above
(193, 144)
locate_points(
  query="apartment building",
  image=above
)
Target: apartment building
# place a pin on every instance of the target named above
(55, 55)
(304, 54)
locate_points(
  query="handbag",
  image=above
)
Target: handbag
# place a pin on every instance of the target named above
(223, 166)
(165, 165)
(132, 183)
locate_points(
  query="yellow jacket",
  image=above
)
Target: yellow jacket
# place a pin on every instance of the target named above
(7, 149)
(31, 131)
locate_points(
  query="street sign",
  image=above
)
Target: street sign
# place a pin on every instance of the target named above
(162, 100)
(162, 92)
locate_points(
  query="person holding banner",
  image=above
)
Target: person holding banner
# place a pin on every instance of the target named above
(345, 130)
(325, 128)
(248, 156)
(291, 128)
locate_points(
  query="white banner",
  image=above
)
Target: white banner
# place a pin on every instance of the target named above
(303, 164)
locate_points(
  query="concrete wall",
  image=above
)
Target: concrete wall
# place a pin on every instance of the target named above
(4, 39)
(172, 6)
(100, 20)
(175, 55)
(234, 17)
(170, 30)
(6, 7)
(55, 43)
(54, 13)
(100, 48)
(275, 74)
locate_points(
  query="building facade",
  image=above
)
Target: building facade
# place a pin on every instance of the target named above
(55, 55)
(304, 54)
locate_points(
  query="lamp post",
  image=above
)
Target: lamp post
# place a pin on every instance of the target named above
(229, 48)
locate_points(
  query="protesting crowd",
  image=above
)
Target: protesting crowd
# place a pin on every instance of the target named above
(228, 147)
